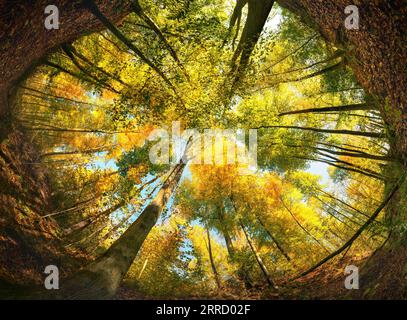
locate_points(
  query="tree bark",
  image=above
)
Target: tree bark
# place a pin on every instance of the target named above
(259, 260)
(351, 107)
(101, 279)
(330, 131)
(258, 12)
(277, 243)
(213, 266)
(25, 41)
(376, 52)
(378, 57)
(224, 231)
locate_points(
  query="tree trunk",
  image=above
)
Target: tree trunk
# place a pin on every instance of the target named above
(101, 278)
(276, 242)
(377, 55)
(330, 131)
(213, 266)
(260, 262)
(142, 269)
(225, 232)
(25, 41)
(258, 12)
(352, 107)
(376, 52)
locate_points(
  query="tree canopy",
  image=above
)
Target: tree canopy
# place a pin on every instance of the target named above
(320, 186)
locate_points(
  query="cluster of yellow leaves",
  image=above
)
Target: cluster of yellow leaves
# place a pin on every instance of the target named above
(137, 173)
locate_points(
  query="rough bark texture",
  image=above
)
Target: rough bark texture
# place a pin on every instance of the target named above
(377, 54)
(24, 40)
(101, 278)
(25, 194)
(27, 242)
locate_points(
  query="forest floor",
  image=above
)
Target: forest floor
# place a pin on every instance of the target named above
(325, 283)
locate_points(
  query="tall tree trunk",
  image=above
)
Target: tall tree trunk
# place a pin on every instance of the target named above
(258, 12)
(213, 266)
(377, 55)
(225, 232)
(352, 107)
(260, 262)
(101, 278)
(277, 243)
(25, 41)
(142, 269)
(379, 64)
(330, 131)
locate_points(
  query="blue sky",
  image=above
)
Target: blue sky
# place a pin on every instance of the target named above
(320, 169)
